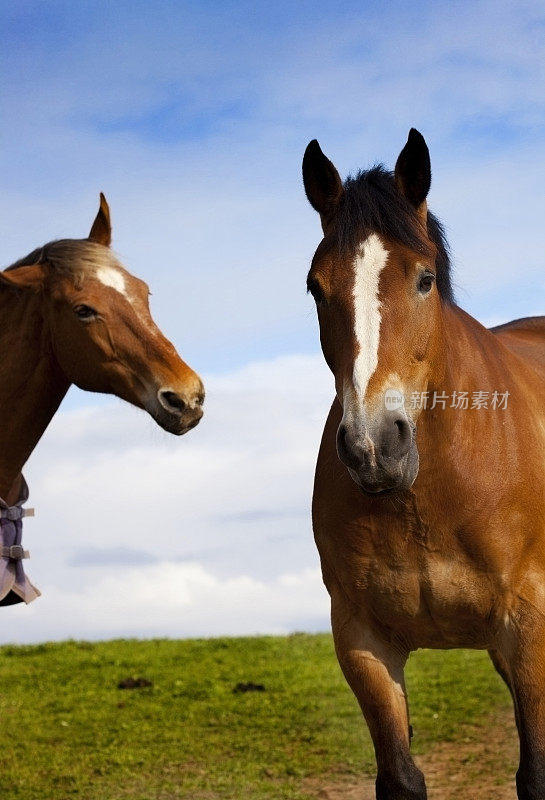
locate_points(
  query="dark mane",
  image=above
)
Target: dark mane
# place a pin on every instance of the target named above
(372, 204)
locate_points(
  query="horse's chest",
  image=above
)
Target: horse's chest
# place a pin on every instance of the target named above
(428, 600)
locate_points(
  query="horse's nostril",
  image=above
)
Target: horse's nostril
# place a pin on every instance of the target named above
(404, 431)
(200, 399)
(173, 400)
(396, 439)
(349, 451)
(341, 441)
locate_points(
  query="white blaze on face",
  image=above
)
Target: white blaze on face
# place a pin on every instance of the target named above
(109, 276)
(370, 262)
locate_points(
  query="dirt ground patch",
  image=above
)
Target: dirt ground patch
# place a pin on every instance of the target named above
(481, 765)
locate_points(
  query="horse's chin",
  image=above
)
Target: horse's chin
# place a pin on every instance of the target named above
(374, 489)
(380, 483)
(177, 424)
(374, 492)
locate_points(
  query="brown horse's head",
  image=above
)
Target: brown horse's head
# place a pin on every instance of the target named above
(100, 330)
(379, 278)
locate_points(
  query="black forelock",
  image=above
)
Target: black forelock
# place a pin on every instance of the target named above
(372, 203)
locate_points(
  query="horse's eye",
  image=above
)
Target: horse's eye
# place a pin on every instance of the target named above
(426, 282)
(85, 312)
(316, 290)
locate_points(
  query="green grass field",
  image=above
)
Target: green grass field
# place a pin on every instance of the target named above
(69, 731)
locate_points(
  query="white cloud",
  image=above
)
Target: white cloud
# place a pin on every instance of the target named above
(173, 600)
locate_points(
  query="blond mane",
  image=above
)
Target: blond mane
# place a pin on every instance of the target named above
(79, 258)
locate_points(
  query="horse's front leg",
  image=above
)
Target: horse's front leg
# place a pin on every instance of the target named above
(522, 652)
(374, 671)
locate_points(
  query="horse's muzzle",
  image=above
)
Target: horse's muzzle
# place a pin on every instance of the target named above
(179, 412)
(383, 455)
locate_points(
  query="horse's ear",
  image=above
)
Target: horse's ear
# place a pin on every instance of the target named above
(27, 277)
(101, 232)
(323, 185)
(413, 172)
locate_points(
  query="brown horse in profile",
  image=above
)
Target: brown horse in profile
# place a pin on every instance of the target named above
(429, 496)
(71, 313)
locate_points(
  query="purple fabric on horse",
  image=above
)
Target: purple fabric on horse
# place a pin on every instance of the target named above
(12, 573)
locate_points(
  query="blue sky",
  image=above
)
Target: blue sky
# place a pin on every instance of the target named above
(193, 119)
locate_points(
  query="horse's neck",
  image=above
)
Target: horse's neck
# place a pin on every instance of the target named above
(464, 421)
(31, 384)
(473, 357)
